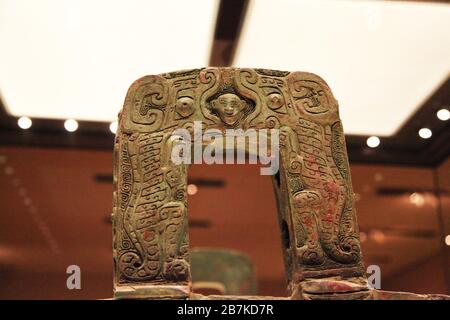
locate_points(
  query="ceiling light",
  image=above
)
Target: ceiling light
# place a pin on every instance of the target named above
(71, 125)
(377, 235)
(24, 122)
(113, 127)
(83, 59)
(443, 114)
(367, 68)
(417, 199)
(192, 189)
(373, 142)
(447, 240)
(425, 133)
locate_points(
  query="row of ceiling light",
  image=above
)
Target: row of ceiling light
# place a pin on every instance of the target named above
(70, 125)
(372, 142)
(424, 133)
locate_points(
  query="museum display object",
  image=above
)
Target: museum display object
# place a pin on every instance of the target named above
(313, 188)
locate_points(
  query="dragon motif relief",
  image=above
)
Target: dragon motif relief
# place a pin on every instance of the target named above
(313, 187)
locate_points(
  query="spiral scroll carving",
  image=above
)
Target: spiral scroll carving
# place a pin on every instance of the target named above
(315, 197)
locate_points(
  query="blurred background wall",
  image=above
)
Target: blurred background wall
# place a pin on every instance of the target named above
(65, 67)
(56, 207)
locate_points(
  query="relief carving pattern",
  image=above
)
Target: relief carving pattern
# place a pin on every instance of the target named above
(314, 193)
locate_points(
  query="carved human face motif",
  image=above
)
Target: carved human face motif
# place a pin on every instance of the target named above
(229, 107)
